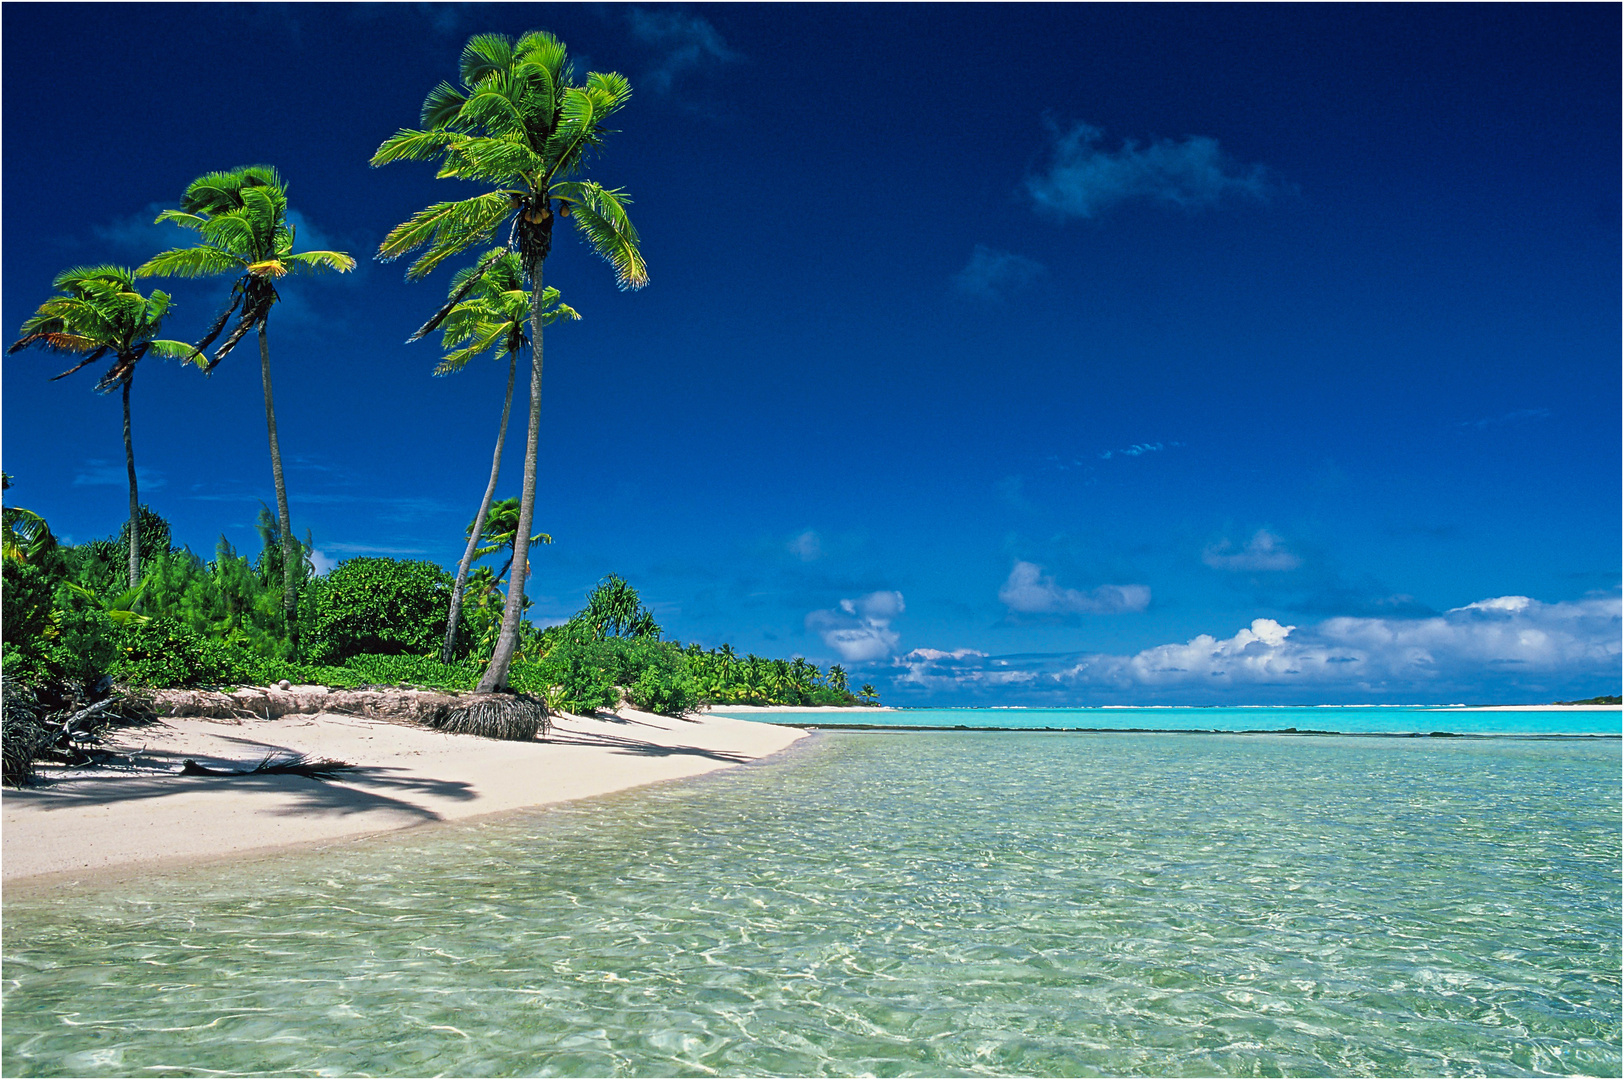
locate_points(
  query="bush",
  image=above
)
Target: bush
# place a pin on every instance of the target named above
(163, 653)
(664, 684)
(378, 606)
(577, 674)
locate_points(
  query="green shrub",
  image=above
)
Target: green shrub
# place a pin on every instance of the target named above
(417, 671)
(577, 674)
(164, 653)
(664, 684)
(375, 606)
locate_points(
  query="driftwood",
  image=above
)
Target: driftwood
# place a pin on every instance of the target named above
(291, 764)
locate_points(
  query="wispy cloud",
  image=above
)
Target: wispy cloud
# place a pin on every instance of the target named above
(995, 275)
(1084, 180)
(97, 473)
(1517, 417)
(685, 44)
(135, 238)
(1031, 592)
(1265, 551)
(808, 547)
(344, 548)
(860, 629)
(1136, 450)
(1497, 645)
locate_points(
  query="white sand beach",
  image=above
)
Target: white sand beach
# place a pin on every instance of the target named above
(102, 825)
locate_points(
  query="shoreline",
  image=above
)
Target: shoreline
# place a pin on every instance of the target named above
(95, 827)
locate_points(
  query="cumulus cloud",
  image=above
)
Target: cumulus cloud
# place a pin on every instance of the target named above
(1084, 180)
(1507, 646)
(1263, 552)
(808, 547)
(860, 629)
(1029, 591)
(686, 43)
(993, 275)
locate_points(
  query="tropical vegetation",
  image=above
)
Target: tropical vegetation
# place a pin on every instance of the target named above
(87, 626)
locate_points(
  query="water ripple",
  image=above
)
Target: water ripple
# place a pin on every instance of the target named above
(924, 904)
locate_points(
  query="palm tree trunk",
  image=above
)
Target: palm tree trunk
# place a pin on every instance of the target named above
(290, 593)
(135, 499)
(479, 520)
(507, 642)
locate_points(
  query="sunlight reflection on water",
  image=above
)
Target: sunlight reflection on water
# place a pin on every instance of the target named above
(926, 904)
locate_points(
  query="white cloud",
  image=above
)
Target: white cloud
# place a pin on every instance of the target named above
(686, 43)
(322, 561)
(1516, 417)
(1377, 652)
(860, 629)
(808, 547)
(1084, 180)
(1133, 451)
(992, 275)
(1502, 648)
(1263, 552)
(97, 473)
(1029, 591)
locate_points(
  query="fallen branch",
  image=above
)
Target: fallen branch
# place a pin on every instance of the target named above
(291, 765)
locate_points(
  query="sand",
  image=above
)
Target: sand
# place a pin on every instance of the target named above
(92, 827)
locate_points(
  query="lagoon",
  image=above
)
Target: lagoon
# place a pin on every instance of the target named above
(1320, 719)
(922, 903)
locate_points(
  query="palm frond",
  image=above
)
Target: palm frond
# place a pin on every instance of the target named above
(500, 161)
(492, 109)
(180, 217)
(178, 350)
(600, 216)
(204, 260)
(408, 145)
(312, 261)
(483, 56)
(457, 293)
(441, 106)
(91, 359)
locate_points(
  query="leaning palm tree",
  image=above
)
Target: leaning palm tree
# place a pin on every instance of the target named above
(518, 125)
(241, 217)
(98, 311)
(490, 316)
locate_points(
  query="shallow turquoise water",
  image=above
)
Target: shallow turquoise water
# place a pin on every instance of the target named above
(893, 904)
(1346, 719)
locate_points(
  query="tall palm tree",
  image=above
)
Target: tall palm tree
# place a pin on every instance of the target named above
(241, 217)
(98, 311)
(518, 125)
(490, 316)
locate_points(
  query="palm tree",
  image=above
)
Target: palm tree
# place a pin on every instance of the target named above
(98, 311)
(241, 217)
(518, 125)
(501, 533)
(491, 316)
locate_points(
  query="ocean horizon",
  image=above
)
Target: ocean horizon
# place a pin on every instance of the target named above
(1218, 719)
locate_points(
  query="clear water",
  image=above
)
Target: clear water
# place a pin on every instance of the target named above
(893, 904)
(1347, 719)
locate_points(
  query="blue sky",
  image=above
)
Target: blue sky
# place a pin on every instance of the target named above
(1053, 354)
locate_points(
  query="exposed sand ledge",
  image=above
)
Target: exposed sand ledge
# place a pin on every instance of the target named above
(97, 826)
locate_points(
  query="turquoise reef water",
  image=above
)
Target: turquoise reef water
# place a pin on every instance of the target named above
(954, 903)
(1341, 719)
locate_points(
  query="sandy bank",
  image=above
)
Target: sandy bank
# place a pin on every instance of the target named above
(95, 825)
